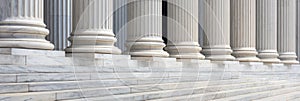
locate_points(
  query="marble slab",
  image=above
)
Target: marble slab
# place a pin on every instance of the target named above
(12, 60)
(25, 52)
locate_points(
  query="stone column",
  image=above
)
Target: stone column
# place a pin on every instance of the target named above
(58, 20)
(93, 27)
(266, 30)
(287, 31)
(144, 29)
(22, 25)
(120, 23)
(243, 30)
(183, 29)
(298, 29)
(216, 27)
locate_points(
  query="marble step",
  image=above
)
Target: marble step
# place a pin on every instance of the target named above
(261, 94)
(296, 99)
(169, 94)
(13, 69)
(132, 66)
(66, 85)
(213, 85)
(279, 76)
(230, 93)
(48, 77)
(75, 94)
(36, 96)
(282, 97)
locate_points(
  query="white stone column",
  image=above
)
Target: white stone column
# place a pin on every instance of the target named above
(22, 26)
(243, 31)
(287, 31)
(144, 29)
(183, 29)
(266, 30)
(216, 27)
(93, 27)
(58, 19)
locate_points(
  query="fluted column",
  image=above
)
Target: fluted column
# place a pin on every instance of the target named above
(287, 31)
(58, 20)
(266, 34)
(144, 28)
(298, 29)
(93, 27)
(243, 30)
(22, 26)
(120, 23)
(216, 26)
(183, 29)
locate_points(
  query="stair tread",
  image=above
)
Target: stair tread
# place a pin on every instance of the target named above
(145, 95)
(281, 97)
(221, 94)
(142, 89)
(259, 94)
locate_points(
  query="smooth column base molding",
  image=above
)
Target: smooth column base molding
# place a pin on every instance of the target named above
(246, 55)
(185, 50)
(288, 58)
(146, 47)
(20, 34)
(93, 42)
(217, 53)
(269, 56)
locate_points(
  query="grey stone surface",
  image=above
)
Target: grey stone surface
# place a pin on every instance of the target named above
(12, 60)
(36, 96)
(8, 78)
(47, 60)
(13, 88)
(42, 77)
(26, 52)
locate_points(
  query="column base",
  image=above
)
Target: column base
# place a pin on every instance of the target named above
(218, 53)
(96, 49)
(187, 50)
(288, 58)
(269, 56)
(146, 47)
(246, 55)
(19, 34)
(93, 41)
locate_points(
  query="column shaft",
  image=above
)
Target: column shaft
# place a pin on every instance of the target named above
(182, 24)
(287, 31)
(243, 30)
(144, 28)
(22, 26)
(266, 30)
(58, 20)
(216, 27)
(93, 27)
(298, 29)
(120, 23)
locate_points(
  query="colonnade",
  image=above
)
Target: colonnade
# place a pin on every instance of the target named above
(242, 30)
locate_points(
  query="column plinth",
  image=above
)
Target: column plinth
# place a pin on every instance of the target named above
(93, 27)
(182, 29)
(216, 30)
(22, 26)
(144, 29)
(287, 31)
(243, 30)
(266, 34)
